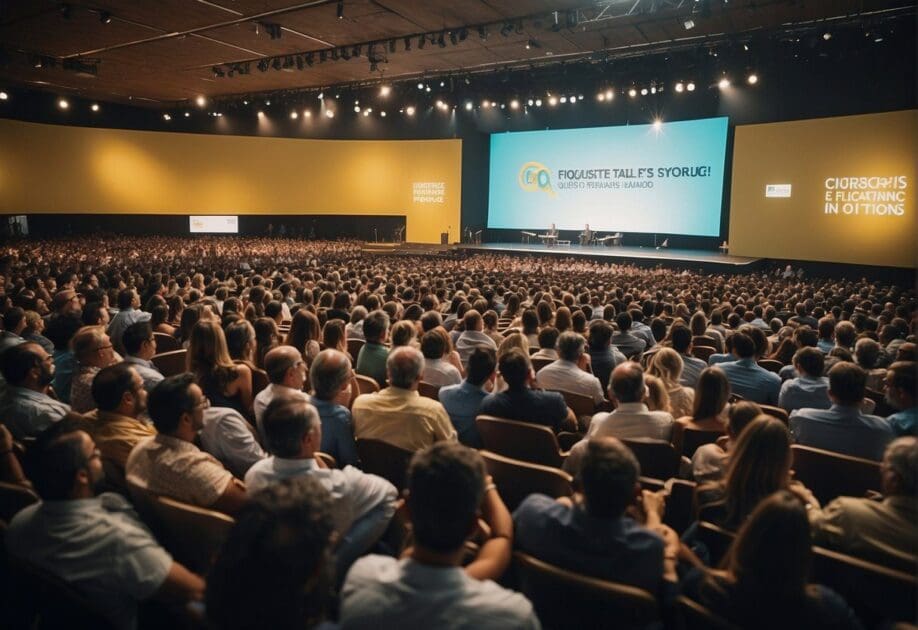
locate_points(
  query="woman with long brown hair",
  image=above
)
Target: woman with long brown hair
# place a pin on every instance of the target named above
(304, 335)
(225, 383)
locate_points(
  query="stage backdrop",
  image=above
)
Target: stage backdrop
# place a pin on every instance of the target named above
(72, 170)
(664, 179)
(831, 189)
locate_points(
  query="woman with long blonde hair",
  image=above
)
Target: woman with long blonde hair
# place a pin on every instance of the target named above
(225, 383)
(666, 364)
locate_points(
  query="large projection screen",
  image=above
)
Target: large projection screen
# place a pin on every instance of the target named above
(213, 224)
(664, 178)
(830, 189)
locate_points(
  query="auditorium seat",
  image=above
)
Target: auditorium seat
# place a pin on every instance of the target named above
(193, 535)
(693, 438)
(14, 497)
(520, 440)
(538, 364)
(429, 390)
(171, 363)
(658, 458)
(704, 341)
(702, 352)
(693, 616)
(776, 412)
(829, 475)
(771, 365)
(716, 539)
(260, 381)
(384, 459)
(353, 348)
(365, 385)
(166, 343)
(582, 406)
(564, 599)
(517, 479)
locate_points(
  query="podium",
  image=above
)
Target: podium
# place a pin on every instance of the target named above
(444, 238)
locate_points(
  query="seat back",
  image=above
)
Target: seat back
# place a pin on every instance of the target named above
(517, 479)
(192, 534)
(564, 599)
(876, 593)
(170, 363)
(704, 341)
(143, 501)
(694, 616)
(166, 343)
(776, 412)
(580, 404)
(328, 460)
(13, 498)
(693, 438)
(365, 385)
(831, 475)
(658, 458)
(538, 364)
(520, 440)
(260, 380)
(881, 407)
(429, 390)
(703, 352)
(680, 505)
(771, 365)
(386, 460)
(353, 348)
(716, 539)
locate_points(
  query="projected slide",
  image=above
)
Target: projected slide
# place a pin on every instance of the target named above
(214, 224)
(831, 189)
(638, 178)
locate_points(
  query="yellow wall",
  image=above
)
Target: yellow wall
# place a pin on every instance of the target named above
(58, 169)
(806, 154)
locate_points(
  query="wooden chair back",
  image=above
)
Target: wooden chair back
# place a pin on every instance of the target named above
(386, 460)
(429, 390)
(520, 440)
(693, 616)
(716, 539)
(13, 498)
(365, 385)
(327, 459)
(703, 352)
(193, 535)
(170, 363)
(538, 364)
(830, 475)
(704, 341)
(881, 407)
(658, 458)
(772, 365)
(143, 501)
(260, 380)
(517, 479)
(680, 505)
(114, 477)
(353, 348)
(580, 404)
(564, 599)
(776, 412)
(166, 343)
(877, 594)
(693, 438)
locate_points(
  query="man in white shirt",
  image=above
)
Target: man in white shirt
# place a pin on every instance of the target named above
(548, 341)
(632, 418)
(473, 336)
(139, 347)
(287, 373)
(437, 370)
(362, 504)
(569, 373)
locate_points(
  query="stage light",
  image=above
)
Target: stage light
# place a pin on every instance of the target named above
(503, 106)
(261, 114)
(420, 86)
(690, 87)
(493, 103)
(357, 108)
(689, 24)
(4, 96)
(245, 102)
(468, 106)
(366, 112)
(580, 97)
(340, 10)
(632, 92)
(442, 83)
(752, 79)
(307, 113)
(94, 107)
(643, 91)
(563, 99)
(383, 114)
(679, 87)
(167, 117)
(187, 114)
(329, 113)
(653, 89)
(356, 101)
(486, 104)
(384, 90)
(657, 124)
(63, 104)
(294, 115)
(427, 89)
(600, 97)
(552, 100)
(827, 36)
(724, 83)
(538, 102)
(610, 94)
(369, 109)
(439, 103)
(105, 17)
(410, 110)
(201, 101)
(268, 103)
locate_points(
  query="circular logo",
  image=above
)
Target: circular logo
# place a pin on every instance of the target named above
(535, 177)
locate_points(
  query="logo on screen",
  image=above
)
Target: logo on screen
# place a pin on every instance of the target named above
(535, 177)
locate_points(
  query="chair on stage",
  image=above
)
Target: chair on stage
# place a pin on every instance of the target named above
(527, 236)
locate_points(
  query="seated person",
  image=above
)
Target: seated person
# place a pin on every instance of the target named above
(472, 336)
(524, 403)
(169, 463)
(810, 388)
(746, 377)
(332, 379)
(140, 347)
(120, 397)
(569, 373)
(276, 555)
(592, 534)
(631, 418)
(97, 544)
(764, 584)
(93, 351)
(397, 414)
(362, 504)
(286, 371)
(447, 487)
(879, 531)
(25, 405)
(603, 355)
(371, 360)
(548, 343)
(438, 371)
(628, 344)
(843, 428)
(710, 460)
(900, 385)
(463, 402)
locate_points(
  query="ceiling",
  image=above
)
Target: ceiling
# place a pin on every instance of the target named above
(159, 52)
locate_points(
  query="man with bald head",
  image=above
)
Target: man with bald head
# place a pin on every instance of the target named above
(397, 414)
(287, 373)
(631, 418)
(331, 377)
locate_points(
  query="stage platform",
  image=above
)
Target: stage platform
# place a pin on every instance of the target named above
(622, 253)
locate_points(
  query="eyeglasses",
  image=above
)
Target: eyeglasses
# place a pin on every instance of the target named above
(106, 347)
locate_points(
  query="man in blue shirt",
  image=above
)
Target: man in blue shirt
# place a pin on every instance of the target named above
(899, 384)
(811, 388)
(331, 378)
(746, 377)
(463, 401)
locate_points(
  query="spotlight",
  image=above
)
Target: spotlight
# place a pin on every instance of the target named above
(530, 102)
(410, 110)
(105, 17)
(679, 87)
(321, 95)
(427, 89)
(538, 102)
(690, 87)
(552, 100)
(307, 113)
(468, 106)
(632, 92)
(493, 103)
(827, 36)
(420, 86)
(502, 106)
(294, 115)
(201, 101)
(689, 24)
(486, 104)
(4, 96)
(439, 103)
(442, 83)
(357, 108)
(63, 104)
(261, 114)
(383, 114)
(94, 107)
(167, 117)
(653, 89)
(724, 83)
(268, 103)
(514, 104)
(329, 113)
(643, 91)
(340, 11)
(600, 97)
(610, 94)
(752, 79)
(657, 124)
(572, 100)
(384, 90)
(366, 112)
(563, 99)
(187, 114)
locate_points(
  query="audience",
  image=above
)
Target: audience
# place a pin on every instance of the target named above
(139, 347)
(900, 386)
(25, 406)
(286, 370)
(93, 351)
(746, 378)
(463, 402)
(371, 361)
(332, 381)
(569, 373)
(810, 388)
(120, 399)
(631, 417)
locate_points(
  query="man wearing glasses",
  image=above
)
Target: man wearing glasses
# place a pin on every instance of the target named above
(25, 407)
